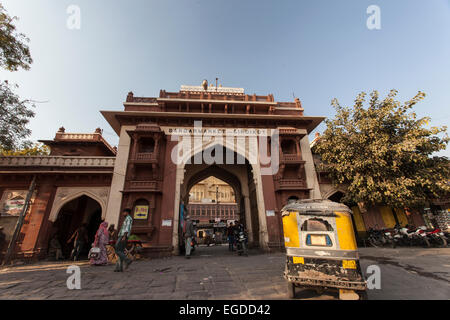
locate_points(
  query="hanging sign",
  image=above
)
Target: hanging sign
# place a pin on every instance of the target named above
(141, 212)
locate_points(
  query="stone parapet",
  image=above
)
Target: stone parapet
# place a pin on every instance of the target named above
(56, 161)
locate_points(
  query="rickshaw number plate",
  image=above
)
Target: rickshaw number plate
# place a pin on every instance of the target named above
(349, 264)
(317, 240)
(297, 260)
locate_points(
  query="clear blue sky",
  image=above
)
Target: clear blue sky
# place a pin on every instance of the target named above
(317, 49)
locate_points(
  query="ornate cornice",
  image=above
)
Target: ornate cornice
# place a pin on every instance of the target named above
(57, 161)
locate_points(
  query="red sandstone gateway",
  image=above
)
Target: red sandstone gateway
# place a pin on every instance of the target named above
(85, 180)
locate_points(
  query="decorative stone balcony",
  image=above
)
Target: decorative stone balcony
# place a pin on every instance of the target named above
(144, 185)
(57, 161)
(145, 157)
(290, 184)
(291, 158)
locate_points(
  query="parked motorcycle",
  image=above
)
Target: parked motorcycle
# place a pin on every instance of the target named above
(415, 236)
(241, 243)
(437, 237)
(393, 237)
(376, 238)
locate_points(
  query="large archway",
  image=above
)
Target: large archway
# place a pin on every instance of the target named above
(73, 214)
(240, 176)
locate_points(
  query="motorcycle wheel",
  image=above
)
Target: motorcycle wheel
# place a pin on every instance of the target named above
(427, 242)
(373, 243)
(244, 247)
(442, 241)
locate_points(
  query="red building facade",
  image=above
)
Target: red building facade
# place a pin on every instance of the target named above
(167, 144)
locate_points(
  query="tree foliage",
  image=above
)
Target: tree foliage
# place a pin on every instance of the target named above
(36, 149)
(15, 114)
(384, 153)
(14, 51)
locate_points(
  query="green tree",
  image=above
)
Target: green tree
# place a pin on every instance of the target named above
(384, 153)
(14, 51)
(36, 149)
(15, 113)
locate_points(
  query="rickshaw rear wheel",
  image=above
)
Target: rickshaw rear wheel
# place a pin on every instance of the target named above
(363, 295)
(291, 290)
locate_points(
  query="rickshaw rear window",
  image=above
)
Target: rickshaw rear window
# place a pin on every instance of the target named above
(316, 225)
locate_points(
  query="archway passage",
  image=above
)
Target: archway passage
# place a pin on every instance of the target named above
(239, 177)
(212, 205)
(82, 210)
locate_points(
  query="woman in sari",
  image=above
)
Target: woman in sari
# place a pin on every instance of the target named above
(101, 240)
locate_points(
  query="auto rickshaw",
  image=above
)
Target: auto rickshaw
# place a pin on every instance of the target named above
(321, 251)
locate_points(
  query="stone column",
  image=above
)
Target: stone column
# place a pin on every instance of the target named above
(311, 176)
(118, 179)
(263, 234)
(248, 217)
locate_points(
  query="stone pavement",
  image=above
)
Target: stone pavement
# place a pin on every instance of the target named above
(410, 273)
(215, 273)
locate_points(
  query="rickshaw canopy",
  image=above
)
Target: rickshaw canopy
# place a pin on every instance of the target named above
(315, 207)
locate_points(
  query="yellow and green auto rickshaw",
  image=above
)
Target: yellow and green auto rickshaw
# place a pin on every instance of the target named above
(321, 249)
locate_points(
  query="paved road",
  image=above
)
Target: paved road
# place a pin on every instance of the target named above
(215, 273)
(410, 273)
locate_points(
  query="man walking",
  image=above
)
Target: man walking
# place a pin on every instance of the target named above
(80, 236)
(121, 243)
(188, 235)
(230, 234)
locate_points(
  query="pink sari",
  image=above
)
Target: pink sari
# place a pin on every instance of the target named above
(101, 240)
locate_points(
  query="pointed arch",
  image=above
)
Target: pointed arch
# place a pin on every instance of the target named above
(65, 195)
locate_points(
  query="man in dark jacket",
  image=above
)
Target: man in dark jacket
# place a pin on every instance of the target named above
(188, 235)
(230, 234)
